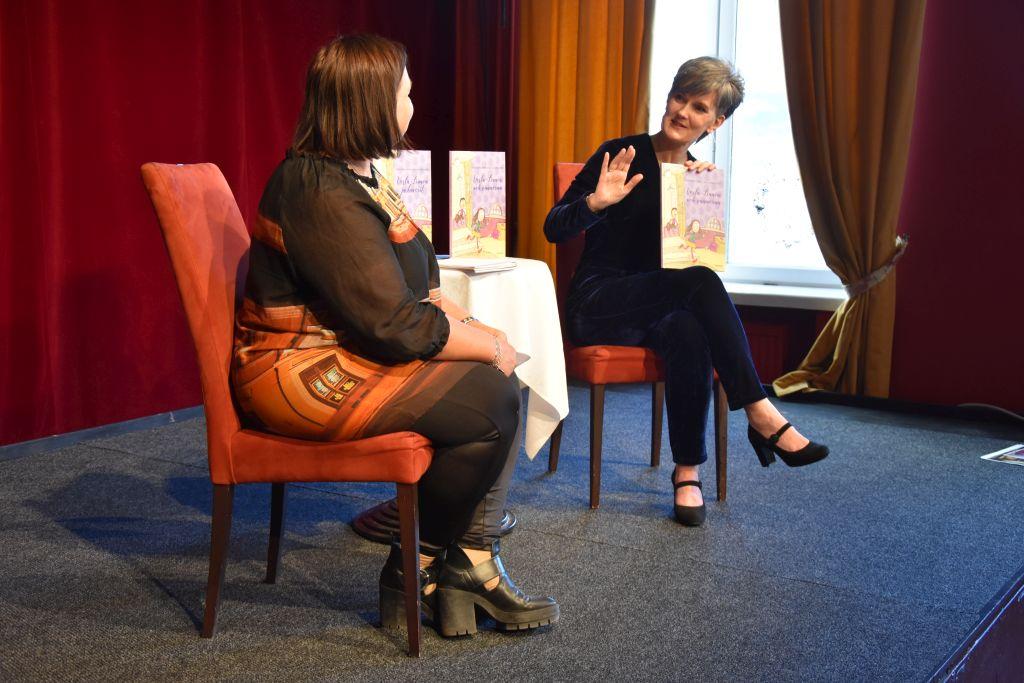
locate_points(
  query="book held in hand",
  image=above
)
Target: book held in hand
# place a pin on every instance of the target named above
(477, 204)
(692, 218)
(409, 174)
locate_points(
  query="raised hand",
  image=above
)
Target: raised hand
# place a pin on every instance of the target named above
(612, 186)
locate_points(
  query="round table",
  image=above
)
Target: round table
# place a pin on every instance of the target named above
(521, 302)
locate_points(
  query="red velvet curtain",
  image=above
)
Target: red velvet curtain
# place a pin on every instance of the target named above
(485, 44)
(91, 328)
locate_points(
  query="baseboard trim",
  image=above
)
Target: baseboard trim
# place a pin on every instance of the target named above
(892, 405)
(52, 443)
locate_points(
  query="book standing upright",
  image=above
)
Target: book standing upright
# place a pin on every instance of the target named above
(477, 204)
(409, 174)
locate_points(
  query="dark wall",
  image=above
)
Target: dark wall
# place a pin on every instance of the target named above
(960, 288)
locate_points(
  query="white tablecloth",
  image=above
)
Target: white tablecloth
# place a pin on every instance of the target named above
(522, 303)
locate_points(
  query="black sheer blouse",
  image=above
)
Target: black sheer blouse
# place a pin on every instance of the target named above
(336, 259)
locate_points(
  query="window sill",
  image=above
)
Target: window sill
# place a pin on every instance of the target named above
(785, 296)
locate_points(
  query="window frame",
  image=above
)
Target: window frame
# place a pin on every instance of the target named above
(721, 155)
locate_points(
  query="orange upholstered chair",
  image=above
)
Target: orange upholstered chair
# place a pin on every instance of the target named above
(599, 366)
(209, 246)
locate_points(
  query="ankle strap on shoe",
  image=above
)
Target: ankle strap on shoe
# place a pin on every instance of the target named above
(494, 547)
(485, 571)
(435, 553)
(680, 484)
(774, 438)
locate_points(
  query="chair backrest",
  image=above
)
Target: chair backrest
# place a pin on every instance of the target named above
(568, 253)
(209, 248)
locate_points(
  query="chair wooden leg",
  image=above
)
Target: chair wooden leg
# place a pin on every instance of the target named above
(596, 429)
(220, 533)
(277, 505)
(556, 445)
(409, 536)
(721, 438)
(657, 409)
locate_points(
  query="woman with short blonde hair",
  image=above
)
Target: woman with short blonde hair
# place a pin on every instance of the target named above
(620, 294)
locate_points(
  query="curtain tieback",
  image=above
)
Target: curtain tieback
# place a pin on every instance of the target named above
(874, 277)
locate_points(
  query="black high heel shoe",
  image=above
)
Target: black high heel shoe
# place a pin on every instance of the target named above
(461, 591)
(392, 590)
(687, 515)
(767, 448)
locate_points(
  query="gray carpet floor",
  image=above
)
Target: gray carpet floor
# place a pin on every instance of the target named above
(871, 565)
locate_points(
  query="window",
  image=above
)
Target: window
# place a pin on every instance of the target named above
(770, 239)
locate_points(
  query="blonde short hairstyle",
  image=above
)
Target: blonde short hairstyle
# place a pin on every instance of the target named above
(710, 75)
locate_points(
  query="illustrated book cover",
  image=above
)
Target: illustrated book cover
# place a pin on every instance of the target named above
(409, 174)
(692, 218)
(477, 204)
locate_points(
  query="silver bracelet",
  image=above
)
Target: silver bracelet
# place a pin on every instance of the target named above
(496, 361)
(467, 320)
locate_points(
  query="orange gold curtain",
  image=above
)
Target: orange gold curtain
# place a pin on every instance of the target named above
(851, 76)
(583, 78)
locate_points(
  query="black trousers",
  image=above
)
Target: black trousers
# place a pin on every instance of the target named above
(475, 431)
(688, 319)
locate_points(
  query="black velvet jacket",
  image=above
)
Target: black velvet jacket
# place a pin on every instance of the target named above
(625, 237)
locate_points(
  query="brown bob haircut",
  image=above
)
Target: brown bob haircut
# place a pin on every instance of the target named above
(351, 92)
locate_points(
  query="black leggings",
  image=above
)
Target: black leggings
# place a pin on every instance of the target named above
(475, 431)
(688, 319)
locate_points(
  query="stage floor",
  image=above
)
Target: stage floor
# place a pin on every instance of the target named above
(871, 565)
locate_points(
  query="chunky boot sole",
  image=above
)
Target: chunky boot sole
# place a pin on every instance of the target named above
(392, 608)
(457, 609)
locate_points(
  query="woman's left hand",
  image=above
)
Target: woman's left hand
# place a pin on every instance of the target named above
(698, 166)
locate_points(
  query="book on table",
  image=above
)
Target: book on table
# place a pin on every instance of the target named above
(692, 218)
(409, 174)
(477, 204)
(476, 265)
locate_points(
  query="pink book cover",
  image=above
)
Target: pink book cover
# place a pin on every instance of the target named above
(692, 218)
(477, 204)
(409, 174)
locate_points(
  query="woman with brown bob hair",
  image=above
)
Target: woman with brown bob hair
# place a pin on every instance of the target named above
(344, 334)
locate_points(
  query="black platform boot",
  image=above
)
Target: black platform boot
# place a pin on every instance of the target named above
(461, 590)
(392, 587)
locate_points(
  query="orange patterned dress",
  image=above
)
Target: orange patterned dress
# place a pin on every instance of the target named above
(336, 333)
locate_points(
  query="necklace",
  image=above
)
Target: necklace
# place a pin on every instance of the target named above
(369, 181)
